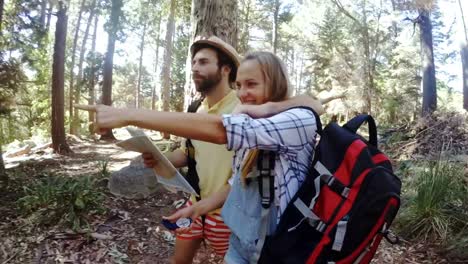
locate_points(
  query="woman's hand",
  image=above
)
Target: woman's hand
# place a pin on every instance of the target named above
(107, 117)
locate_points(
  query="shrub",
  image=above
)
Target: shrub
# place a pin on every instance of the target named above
(59, 199)
(436, 209)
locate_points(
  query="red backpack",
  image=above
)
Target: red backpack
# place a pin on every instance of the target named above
(345, 206)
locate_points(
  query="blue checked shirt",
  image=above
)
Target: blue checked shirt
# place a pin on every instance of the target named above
(291, 134)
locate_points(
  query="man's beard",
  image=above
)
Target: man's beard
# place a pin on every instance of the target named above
(208, 83)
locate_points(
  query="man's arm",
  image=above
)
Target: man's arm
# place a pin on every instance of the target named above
(271, 108)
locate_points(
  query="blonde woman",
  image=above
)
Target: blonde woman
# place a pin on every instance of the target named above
(261, 80)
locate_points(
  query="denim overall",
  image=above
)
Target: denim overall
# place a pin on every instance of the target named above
(241, 213)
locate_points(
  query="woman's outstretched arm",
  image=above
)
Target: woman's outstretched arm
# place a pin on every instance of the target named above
(204, 127)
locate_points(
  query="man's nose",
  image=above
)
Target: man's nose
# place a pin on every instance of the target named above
(195, 67)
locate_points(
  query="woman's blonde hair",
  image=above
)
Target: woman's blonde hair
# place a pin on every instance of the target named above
(274, 73)
(277, 84)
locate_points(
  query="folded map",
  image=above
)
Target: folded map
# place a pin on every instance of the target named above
(166, 173)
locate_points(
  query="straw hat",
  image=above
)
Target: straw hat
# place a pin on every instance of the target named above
(219, 44)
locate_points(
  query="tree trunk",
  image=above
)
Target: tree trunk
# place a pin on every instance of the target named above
(2, 4)
(79, 80)
(49, 16)
(3, 175)
(109, 60)
(274, 39)
(166, 69)
(72, 66)
(427, 55)
(153, 91)
(140, 67)
(244, 37)
(42, 19)
(210, 17)
(91, 93)
(59, 143)
(464, 57)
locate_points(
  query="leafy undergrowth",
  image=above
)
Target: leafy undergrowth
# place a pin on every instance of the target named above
(126, 231)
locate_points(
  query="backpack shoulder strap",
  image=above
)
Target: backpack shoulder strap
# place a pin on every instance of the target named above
(192, 175)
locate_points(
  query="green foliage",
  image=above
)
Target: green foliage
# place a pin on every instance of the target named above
(64, 200)
(104, 168)
(11, 78)
(436, 208)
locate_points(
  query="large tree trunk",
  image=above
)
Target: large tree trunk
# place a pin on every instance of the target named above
(79, 79)
(91, 93)
(72, 66)
(109, 60)
(429, 103)
(154, 93)
(166, 69)
(274, 39)
(59, 143)
(140, 66)
(210, 17)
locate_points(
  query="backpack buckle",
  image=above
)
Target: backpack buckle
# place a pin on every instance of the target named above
(335, 185)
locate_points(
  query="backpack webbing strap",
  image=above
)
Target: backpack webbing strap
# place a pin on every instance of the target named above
(192, 175)
(265, 167)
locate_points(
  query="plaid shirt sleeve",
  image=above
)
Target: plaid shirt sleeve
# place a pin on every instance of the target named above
(287, 132)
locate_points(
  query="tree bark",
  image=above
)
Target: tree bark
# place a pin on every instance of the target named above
(274, 40)
(3, 174)
(210, 17)
(49, 16)
(464, 57)
(140, 66)
(72, 66)
(429, 103)
(109, 60)
(91, 93)
(42, 18)
(79, 80)
(59, 143)
(2, 4)
(153, 92)
(166, 69)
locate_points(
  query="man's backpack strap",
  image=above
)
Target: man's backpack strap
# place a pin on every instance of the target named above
(354, 124)
(266, 182)
(192, 175)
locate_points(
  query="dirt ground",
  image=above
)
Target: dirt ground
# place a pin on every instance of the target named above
(130, 230)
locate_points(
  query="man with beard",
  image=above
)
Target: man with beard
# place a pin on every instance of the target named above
(214, 69)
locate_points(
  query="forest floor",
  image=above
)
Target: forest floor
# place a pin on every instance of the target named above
(128, 232)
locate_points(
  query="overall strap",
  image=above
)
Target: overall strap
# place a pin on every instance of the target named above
(266, 170)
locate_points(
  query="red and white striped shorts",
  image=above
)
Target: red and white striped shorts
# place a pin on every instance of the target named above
(215, 232)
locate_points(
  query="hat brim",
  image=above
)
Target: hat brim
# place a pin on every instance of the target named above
(219, 46)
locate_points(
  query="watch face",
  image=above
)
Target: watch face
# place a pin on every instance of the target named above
(183, 222)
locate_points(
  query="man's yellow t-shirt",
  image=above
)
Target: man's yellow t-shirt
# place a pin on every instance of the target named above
(214, 162)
